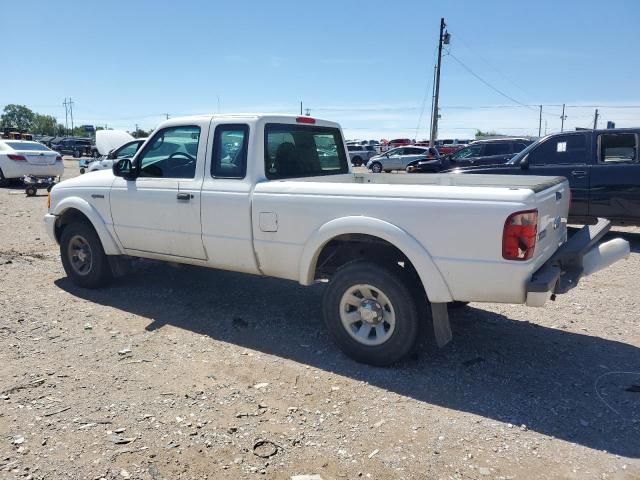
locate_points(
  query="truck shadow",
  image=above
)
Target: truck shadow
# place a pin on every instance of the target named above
(556, 382)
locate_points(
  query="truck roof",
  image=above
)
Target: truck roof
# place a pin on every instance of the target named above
(275, 117)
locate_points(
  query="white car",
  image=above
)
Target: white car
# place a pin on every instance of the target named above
(274, 195)
(111, 145)
(21, 157)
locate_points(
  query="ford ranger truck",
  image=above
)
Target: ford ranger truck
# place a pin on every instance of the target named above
(274, 195)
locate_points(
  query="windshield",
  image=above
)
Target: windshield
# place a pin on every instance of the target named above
(519, 156)
(30, 146)
(303, 151)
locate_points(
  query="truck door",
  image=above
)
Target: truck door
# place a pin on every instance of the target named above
(226, 200)
(159, 211)
(615, 178)
(566, 156)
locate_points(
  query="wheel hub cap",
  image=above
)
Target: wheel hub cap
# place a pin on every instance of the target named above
(370, 311)
(367, 314)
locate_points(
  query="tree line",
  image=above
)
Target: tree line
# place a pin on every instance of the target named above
(22, 119)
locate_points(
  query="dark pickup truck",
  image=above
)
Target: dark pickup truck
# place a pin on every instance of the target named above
(602, 167)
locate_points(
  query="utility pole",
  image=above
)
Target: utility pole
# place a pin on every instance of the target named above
(71, 113)
(540, 123)
(66, 116)
(563, 117)
(595, 120)
(442, 39)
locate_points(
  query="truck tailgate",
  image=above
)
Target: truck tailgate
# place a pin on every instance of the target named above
(553, 209)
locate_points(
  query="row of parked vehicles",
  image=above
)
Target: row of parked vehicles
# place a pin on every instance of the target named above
(602, 167)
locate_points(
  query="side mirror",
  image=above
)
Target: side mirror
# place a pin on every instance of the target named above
(110, 155)
(524, 163)
(124, 168)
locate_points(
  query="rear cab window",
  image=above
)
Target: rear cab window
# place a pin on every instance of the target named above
(618, 148)
(303, 151)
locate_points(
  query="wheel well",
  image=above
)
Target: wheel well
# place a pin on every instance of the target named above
(69, 216)
(355, 246)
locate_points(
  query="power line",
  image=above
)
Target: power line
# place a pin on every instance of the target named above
(477, 54)
(500, 92)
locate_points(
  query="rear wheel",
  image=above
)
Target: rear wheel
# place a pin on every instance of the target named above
(376, 167)
(83, 257)
(356, 161)
(4, 182)
(371, 313)
(31, 191)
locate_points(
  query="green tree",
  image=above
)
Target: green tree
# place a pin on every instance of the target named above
(44, 124)
(489, 133)
(17, 116)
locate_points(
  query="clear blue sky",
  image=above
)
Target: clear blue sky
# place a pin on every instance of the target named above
(365, 64)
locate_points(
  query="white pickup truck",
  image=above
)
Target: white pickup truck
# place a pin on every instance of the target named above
(274, 195)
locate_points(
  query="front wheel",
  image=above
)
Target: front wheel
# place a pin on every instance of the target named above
(370, 313)
(356, 162)
(376, 167)
(83, 257)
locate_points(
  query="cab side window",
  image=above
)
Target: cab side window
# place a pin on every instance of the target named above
(491, 149)
(563, 149)
(618, 148)
(230, 144)
(171, 153)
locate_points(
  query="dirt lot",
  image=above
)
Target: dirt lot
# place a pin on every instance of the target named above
(176, 373)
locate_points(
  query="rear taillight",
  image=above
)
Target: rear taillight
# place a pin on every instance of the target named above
(59, 158)
(17, 158)
(519, 235)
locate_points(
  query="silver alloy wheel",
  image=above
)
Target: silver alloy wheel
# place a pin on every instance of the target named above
(367, 314)
(376, 167)
(80, 255)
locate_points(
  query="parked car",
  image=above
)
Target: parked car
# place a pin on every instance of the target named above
(399, 158)
(448, 146)
(488, 152)
(432, 162)
(128, 150)
(110, 145)
(77, 147)
(19, 158)
(360, 154)
(602, 166)
(386, 246)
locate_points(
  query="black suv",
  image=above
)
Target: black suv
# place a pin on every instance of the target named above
(488, 152)
(77, 147)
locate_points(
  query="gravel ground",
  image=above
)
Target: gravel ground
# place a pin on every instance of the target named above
(187, 373)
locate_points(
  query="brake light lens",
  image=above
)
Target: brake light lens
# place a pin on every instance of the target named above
(310, 120)
(17, 158)
(59, 158)
(519, 235)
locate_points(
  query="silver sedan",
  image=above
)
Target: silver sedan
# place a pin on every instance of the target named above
(398, 158)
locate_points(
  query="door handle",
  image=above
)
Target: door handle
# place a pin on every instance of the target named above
(578, 173)
(184, 196)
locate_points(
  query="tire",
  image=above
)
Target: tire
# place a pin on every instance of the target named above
(4, 182)
(31, 191)
(387, 171)
(356, 161)
(75, 238)
(381, 341)
(376, 167)
(81, 171)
